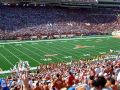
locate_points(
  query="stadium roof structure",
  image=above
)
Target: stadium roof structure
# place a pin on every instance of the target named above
(64, 3)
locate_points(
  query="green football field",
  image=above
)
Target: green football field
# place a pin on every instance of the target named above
(55, 50)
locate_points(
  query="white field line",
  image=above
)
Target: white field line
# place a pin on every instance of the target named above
(63, 49)
(26, 55)
(71, 49)
(31, 51)
(101, 48)
(96, 50)
(41, 50)
(12, 54)
(54, 40)
(35, 52)
(6, 59)
(82, 50)
(86, 50)
(54, 52)
(76, 52)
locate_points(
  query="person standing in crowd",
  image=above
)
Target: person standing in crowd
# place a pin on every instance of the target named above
(71, 79)
(58, 83)
(101, 83)
(111, 83)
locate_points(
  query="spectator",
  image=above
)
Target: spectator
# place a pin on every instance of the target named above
(22, 23)
(71, 79)
(102, 82)
(111, 83)
(58, 83)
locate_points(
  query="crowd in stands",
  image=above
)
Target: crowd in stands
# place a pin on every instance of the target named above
(31, 21)
(77, 75)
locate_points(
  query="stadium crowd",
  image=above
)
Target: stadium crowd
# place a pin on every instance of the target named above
(38, 21)
(77, 75)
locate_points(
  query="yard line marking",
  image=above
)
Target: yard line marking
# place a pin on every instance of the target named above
(6, 59)
(12, 54)
(63, 41)
(55, 40)
(35, 48)
(63, 50)
(67, 49)
(41, 50)
(82, 50)
(26, 55)
(55, 51)
(78, 52)
(32, 51)
(97, 51)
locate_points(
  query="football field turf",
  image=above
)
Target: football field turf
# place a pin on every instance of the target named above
(55, 50)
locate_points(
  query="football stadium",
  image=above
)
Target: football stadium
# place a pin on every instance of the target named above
(59, 44)
(56, 50)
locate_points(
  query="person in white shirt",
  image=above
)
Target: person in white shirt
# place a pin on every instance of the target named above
(97, 70)
(118, 77)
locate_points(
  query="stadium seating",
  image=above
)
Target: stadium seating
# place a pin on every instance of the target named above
(77, 75)
(21, 21)
(44, 21)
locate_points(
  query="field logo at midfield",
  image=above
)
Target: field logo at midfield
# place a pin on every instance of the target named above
(81, 46)
(51, 55)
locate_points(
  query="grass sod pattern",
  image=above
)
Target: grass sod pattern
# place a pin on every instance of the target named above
(49, 51)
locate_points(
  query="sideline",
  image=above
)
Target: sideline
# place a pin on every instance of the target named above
(53, 40)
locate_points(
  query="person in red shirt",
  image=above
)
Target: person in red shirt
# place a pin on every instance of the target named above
(111, 83)
(71, 79)
(58, 83)
(92, 72)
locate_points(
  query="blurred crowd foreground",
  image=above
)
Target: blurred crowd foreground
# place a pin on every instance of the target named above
(76, 75)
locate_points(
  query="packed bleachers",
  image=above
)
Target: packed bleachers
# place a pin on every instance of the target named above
(80, 75)
(30, 21)
(77, 75)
